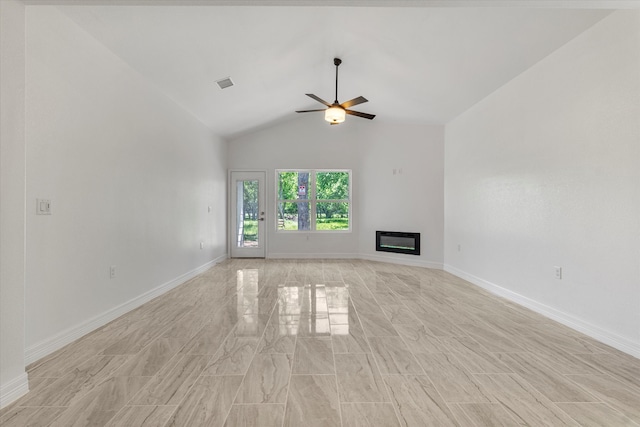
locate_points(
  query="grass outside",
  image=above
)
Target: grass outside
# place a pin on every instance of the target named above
(332, 224)
(322, 224)
(250, 230)
(290, 224)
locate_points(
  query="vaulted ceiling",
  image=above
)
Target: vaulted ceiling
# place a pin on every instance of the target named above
(414, 63)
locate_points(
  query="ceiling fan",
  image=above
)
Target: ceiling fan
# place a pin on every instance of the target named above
(335, 113)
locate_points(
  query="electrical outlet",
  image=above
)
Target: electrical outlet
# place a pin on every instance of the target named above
(201, 245)
(458, 247)
(558, 272)
(112, 272)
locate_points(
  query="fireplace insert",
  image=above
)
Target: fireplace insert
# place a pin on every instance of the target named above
(398, 242)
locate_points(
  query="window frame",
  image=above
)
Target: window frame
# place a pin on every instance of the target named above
(313, 201)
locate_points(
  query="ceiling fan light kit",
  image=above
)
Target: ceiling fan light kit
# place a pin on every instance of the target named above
(336, 113)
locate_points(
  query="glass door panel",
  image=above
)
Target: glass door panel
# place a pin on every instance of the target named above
(247, 214)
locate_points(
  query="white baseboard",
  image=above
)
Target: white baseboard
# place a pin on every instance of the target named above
(13, 390)
(605, 336)
(417, 262)
(311, 256)
(368, 257)
(49, 345)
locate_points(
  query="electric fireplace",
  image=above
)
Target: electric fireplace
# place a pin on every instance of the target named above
(398, 242)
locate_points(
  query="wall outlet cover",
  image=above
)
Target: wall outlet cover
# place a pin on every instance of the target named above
(558, 271)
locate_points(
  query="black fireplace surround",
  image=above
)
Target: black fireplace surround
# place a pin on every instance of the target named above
(398, 242)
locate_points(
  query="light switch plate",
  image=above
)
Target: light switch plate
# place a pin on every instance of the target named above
(43, 207)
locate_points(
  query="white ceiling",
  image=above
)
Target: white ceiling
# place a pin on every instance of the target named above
(417, 64)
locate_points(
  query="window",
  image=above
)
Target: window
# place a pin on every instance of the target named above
(313, 200)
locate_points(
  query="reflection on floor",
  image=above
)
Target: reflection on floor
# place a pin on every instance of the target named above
(330, 343)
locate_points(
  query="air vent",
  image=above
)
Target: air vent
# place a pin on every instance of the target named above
(225, 83)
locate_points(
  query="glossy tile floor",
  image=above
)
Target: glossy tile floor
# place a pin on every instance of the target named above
(330, 343)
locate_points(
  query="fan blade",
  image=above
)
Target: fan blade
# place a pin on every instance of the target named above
(354, 101)
(320, 100)
(310, 111)
(359, 114)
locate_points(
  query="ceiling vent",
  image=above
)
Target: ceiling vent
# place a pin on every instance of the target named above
(225, 83)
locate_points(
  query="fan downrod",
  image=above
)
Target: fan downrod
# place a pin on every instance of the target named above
(336, 62)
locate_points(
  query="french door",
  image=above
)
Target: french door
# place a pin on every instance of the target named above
(248, 215)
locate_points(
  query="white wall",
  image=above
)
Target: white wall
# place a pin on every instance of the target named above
(13, 379)
(546, 172)
(130, 176)
(412, 201)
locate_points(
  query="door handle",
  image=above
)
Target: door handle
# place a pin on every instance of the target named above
(260, 219)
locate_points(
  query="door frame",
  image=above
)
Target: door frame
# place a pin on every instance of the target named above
(230, 197)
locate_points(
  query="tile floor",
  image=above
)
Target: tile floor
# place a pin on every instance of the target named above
(330, 343)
